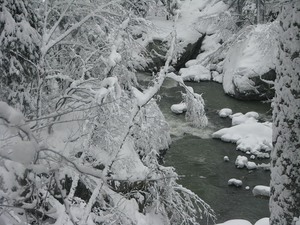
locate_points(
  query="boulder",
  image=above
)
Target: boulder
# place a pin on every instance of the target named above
(249, 66)
(157, 50)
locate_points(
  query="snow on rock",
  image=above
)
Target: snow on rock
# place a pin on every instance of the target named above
(235, 222)
(179, 108)
(251, 165)
(264, 166)
(241, 161)
(261, 190)
(235, 182)
(239, 118)
(225, 112)
(217, 77)
(251, 56)
(226, 159)
(195, 73)
(263, 221)
(253, 137)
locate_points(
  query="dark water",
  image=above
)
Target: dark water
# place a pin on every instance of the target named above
(199, 158)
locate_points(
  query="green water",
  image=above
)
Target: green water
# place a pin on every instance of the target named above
(199, 158)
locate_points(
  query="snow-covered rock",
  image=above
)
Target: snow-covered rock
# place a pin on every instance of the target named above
(217, 77)
(226, 158)
(252, 55)
(179, 108)
(235, 182)
(225, 112)
(251, 165)
(235, 222)
(195, 73)
(263, 221)
(261, 190)
(253, 137)
(239, 118)
(241, 161)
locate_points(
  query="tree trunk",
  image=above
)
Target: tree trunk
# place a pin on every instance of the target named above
(285, 163)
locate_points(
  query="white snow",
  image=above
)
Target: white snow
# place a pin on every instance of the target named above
(235, 182)
(251, 56)
(225, 112)
(250, 136)
(249, 117)
(241, 161)
(195, 73)
(261, 190)
(114, 57)
(179, 108)
(226, 158)
(263, 221)
(251, 165)
(235, 222)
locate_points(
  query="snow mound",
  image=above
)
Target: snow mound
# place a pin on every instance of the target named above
(235, 222)
(261, 190)
(251, 165)
(179, 108)
(225, 112)
(195, 73)
(250, 136)
(239, 118)
(263, 221)
(241, 161)
(235, 182)
(252, 55)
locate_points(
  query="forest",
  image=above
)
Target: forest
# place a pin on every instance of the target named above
(131, 112)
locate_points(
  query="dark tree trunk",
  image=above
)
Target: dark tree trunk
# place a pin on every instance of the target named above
(285, 164)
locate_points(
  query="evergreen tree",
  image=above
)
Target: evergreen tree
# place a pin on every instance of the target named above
(285, 172)
(19, 52)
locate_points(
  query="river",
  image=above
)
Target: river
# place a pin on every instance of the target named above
(199, 158)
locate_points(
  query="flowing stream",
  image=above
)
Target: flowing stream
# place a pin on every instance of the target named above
(199, 158)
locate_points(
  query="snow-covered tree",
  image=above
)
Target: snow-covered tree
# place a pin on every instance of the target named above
(285, 173)
(92, 146)
(19, 53)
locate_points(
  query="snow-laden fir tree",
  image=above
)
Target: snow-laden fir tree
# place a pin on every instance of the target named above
(19, 53)
(285, 158)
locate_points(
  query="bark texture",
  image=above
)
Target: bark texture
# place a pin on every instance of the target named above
(285, 163)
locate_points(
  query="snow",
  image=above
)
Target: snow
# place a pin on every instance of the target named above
(241, 161)
(195, 73)
(226, 159)
(261, 190)
(23, 152)
(236, 222)
(263, 221)
(238, 118)
(179, 108)
(11, 115)
(251, 56)
(114, 57)
(225, 112)
(235, 182)
(250, 136)
(251, 165)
